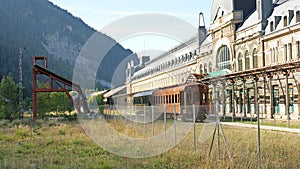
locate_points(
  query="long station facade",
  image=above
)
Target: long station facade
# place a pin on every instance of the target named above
(250, 55)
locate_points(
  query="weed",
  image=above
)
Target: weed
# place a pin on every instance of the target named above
(61, 132)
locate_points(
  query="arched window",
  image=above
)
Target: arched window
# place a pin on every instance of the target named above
(255, 59)
(247, 60)
(205, 68)
(223, 58)
(201, 69)
(210, 67)
(240, 62)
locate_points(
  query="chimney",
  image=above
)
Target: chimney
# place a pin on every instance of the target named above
(202, 33)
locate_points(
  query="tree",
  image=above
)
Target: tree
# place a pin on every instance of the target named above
(96, 102)
(52, 102)
(9, 100)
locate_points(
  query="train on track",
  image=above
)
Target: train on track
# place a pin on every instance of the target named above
(181, 101)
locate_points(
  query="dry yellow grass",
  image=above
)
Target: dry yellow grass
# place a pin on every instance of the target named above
(65, 145)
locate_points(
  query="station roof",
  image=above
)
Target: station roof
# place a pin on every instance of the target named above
(146, 93)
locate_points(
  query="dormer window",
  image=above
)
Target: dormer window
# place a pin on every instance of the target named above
(272, 26)
(298, 16)
(285, 21)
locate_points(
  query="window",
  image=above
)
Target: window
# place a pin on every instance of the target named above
(210, 67)
(290, 51)
(285, 52)
(272, 26)
(240, 62)
(223, 59)
(285, 21)
(255, 59)
(247, 60)
(190, 56)
(298, 16)
(205, 68)
(201, 69)
(298, 49)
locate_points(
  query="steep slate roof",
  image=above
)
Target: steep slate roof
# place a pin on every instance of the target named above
(249, 21)
(281, 8)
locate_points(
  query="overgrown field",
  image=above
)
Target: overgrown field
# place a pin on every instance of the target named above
(65, 145)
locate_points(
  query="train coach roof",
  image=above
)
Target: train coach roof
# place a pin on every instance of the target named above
(175, 88)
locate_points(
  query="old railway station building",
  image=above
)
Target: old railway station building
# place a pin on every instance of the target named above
(250, 53)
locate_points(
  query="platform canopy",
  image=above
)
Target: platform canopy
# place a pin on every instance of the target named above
(146, 93)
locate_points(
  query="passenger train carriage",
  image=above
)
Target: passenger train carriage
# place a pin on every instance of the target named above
(179, 98)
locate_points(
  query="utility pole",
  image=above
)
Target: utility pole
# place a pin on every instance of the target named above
(21, 50)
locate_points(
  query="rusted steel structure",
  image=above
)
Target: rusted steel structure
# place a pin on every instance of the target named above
(55, 83)
(262, 79)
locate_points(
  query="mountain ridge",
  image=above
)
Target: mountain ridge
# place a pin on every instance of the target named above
(47, 29)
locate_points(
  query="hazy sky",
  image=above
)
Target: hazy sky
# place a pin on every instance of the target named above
(100, 13)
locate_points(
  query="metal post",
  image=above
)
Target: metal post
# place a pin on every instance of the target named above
(175, 125)
(287, 98)
(245, 91)
(165, 123)
(224, 99)
(219, 143)
(272, 110)
(194, 121)
(258, 121)
(265, 99)
(144, 119)
(21, 82)
(233, 102)
(215, 97)
(152, 120)
(217, 116)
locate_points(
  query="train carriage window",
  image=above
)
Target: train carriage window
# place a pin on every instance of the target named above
(160, 99)
(173, 98)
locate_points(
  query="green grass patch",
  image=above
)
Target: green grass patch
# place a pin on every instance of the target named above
(65, 145)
